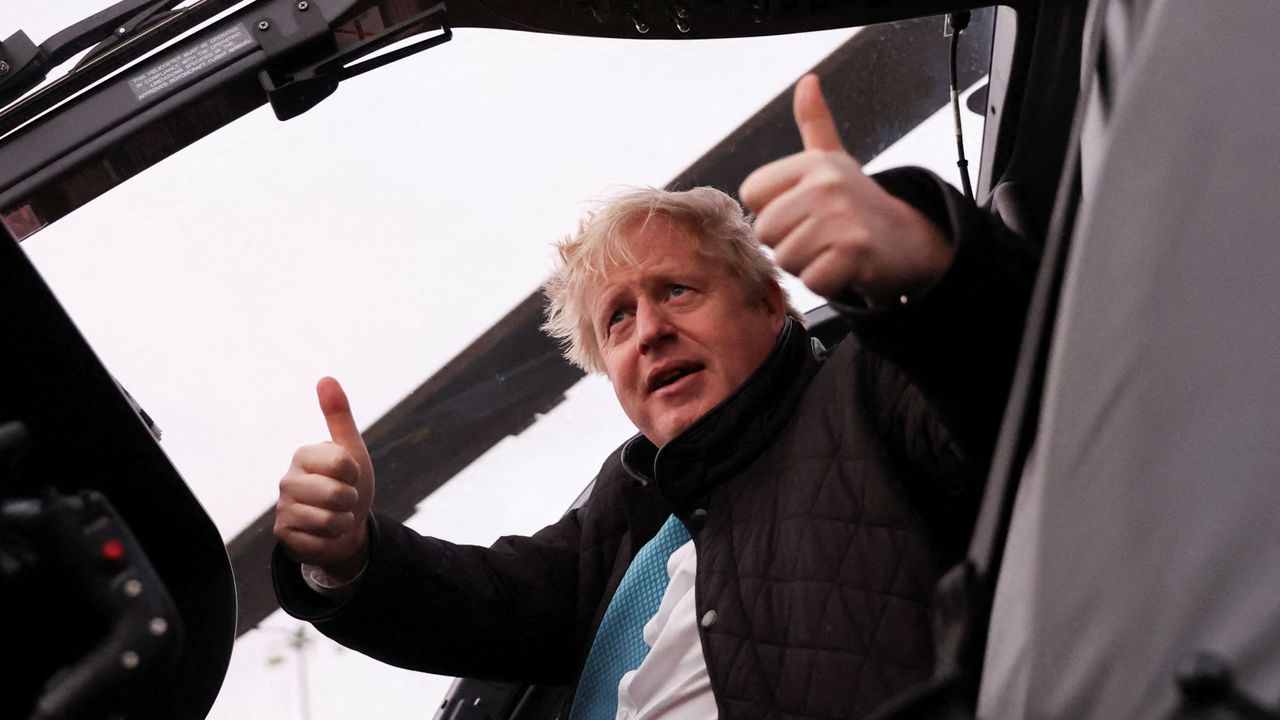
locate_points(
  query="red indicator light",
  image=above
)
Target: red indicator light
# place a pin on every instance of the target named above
(113, 550)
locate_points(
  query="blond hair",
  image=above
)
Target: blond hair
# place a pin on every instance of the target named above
(713, 220)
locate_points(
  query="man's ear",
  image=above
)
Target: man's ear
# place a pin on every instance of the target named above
(773, 300)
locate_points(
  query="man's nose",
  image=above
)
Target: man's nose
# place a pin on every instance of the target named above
(653, 326)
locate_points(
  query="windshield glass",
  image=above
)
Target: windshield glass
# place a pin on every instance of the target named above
(373, 239)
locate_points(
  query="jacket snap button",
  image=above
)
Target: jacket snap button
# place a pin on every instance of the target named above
(708, 618)
(697, 519)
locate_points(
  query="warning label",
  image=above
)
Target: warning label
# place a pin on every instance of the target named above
(190, 62)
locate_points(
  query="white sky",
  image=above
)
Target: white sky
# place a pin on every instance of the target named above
(372, 239)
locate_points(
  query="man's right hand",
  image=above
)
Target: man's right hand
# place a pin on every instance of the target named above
(325, 496)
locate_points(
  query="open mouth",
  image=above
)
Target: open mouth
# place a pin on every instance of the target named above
(670, 376)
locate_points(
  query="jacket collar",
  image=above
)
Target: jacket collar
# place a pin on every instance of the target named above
(733, 433)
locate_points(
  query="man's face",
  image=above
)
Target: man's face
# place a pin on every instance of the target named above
(676, 330)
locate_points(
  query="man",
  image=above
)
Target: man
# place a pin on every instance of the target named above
(821, 493)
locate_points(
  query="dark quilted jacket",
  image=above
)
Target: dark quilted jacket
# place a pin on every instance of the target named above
(825, 497)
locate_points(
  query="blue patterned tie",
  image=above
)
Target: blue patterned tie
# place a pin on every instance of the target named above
(619, 645)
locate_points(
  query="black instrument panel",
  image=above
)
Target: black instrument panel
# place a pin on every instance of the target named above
(83, 438)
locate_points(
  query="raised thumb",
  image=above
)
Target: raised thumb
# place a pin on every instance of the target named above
(813, 117)
(337, 415)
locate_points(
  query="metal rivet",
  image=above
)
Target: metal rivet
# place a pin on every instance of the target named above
(129, 659)
(476, 703)
(121, 30)
(682, 11)
(4, 67)
(159, 626)
(133, 587)
(682, 26)
(903, 299)
(302, 6)
(264, 26)
(708, 619)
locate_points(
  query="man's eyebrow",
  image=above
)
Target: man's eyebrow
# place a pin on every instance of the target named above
(604, 301)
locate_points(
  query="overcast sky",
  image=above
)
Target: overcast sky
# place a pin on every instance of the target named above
(372, 239)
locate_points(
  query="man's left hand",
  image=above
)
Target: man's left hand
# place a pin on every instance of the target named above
(834, 227)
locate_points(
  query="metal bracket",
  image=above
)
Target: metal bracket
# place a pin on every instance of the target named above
(289, 42)
(955, 23)
(295, 88)
(17, 58)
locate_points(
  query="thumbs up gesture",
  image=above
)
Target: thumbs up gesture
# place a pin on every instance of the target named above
(326, 493)
(834, 227)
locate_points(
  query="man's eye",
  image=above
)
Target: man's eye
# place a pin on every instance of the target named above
(617, 317)
(678, 290)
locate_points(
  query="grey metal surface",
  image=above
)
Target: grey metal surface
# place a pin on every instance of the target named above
(1146, 525)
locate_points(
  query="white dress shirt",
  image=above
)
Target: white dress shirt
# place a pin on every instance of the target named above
(672, 683)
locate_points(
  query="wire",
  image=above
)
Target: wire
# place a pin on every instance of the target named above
(959, 21)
